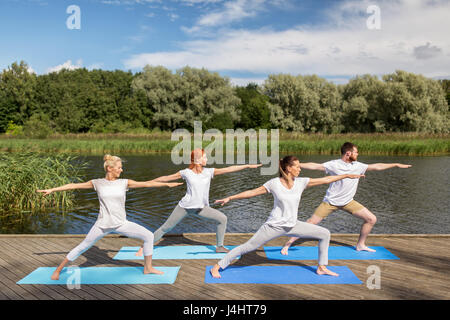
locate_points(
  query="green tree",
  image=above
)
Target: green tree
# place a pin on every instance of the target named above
(17, 89)
(176, 100)
(254, 107)
(304, 104)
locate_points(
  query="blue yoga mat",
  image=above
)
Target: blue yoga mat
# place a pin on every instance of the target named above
(173, 252)
(101, 275)
(334, 253)
(282, 275)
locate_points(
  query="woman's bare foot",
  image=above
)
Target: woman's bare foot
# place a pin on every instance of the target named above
(222, 249)
(321, 270)
(55, 275)
(285, 249)
(215, 271)
(140, 252)
(364, 248)
(152, 270)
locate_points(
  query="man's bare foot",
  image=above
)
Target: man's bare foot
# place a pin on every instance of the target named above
(364, 248)
(321, 270)
(222, 250)
(152, 270)
(215, 271)
(140, 252)
(55, 275)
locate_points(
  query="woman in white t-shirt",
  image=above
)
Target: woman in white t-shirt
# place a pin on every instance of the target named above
(287, 191)
(196, 201)
(112, 216)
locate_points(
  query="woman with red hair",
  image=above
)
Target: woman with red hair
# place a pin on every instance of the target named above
(196, 200)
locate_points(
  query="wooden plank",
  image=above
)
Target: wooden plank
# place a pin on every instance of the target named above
(421, 272)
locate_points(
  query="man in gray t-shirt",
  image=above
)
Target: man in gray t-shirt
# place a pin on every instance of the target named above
(340, 194)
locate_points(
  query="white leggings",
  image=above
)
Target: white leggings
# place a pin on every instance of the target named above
(128, 229)
(267, 233)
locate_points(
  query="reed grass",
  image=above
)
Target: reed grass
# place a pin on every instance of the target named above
(21, 174)
(297, 143)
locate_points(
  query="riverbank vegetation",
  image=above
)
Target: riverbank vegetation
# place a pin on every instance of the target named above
(21, 174)
(157, 99)
(289, 142)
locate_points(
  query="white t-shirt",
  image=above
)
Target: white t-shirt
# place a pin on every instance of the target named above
(111, 195)
(341, 192)
(197, 192)
(286, 201)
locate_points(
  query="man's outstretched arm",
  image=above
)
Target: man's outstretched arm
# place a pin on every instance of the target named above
(384, 166)
(312, 166)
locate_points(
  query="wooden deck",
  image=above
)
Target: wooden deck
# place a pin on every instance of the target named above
(422, 272)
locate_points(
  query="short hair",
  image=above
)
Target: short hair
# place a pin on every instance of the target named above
(348, 146)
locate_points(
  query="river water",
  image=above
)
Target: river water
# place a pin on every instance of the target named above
(414, 200)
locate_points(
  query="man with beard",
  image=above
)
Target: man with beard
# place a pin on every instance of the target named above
(340, 193)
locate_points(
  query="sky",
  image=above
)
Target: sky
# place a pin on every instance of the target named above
(244, 40)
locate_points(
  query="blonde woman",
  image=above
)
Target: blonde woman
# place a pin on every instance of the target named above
(112, 216)
(196, 201)
(287, 191)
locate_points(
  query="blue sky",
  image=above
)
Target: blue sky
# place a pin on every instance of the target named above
(245, 40)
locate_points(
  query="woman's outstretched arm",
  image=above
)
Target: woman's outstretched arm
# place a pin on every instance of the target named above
(69, 186)
(168, 178)
(243, 195)
(330, 179)
(152, 184)
(219, 171)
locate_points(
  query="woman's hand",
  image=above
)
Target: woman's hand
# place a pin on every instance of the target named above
(254, 166)
(45, 192)
(222, 201)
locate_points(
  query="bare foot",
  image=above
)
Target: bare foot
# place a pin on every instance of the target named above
(55, 275)
(284, 250)
(215, 271)
(364, 248)
(140, 252)
(222, 250)
(152, 270)
(321, 270)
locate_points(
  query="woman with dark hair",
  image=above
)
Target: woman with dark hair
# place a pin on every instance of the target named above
(286, 190)
(196, 200)
(112, 216)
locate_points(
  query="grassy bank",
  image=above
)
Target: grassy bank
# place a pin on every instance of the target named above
(21, 174)
(296, 143)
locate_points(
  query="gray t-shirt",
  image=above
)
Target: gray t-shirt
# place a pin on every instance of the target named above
(111, 195)
(286, 201)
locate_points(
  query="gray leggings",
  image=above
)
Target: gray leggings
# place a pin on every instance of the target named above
(207, 212)
(267, 233)
(128, 229)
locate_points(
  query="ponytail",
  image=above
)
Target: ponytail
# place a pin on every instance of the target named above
(287, 161)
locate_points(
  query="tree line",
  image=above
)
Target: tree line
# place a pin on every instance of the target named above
(100, 101)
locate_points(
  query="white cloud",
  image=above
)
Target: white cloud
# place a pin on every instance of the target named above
(30, 70)
(66, 65)
(232, 11)
(242, 82)
(413, 37)
(426, 51)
